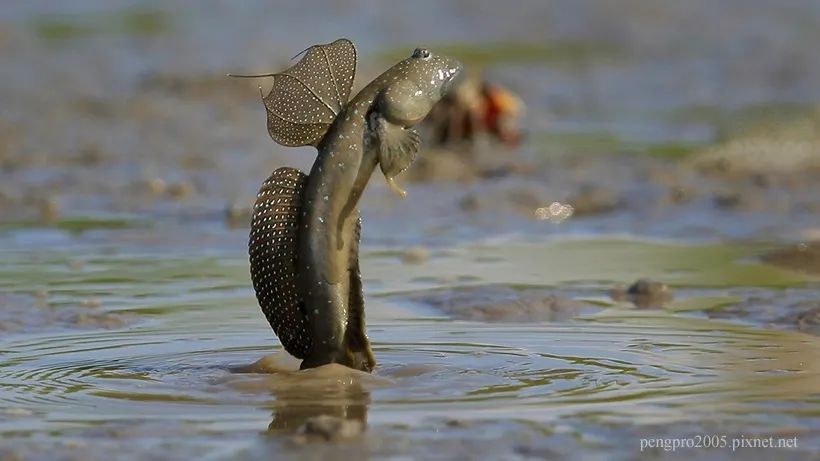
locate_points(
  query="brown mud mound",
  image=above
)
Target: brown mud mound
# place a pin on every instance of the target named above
(26, 314)
(792, 309)
(504, 304)
(644, 294)
(803, 257)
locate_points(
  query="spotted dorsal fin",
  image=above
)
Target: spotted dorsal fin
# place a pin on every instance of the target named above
(307, 97)
(272, 248)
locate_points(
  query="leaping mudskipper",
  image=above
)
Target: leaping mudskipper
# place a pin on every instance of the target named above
(304, 238)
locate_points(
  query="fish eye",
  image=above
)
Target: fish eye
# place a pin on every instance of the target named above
(421, 53)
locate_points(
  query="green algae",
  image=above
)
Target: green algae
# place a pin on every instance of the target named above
(76, 225)
(608, 143)
(592, 262)
(134, 22)
(482, 54)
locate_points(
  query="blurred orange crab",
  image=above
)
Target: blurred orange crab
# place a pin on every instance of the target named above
(475, 108)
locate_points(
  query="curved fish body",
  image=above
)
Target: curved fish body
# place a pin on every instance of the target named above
(308, 281)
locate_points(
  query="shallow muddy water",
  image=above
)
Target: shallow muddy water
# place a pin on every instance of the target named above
(153, 345)
(128, 325)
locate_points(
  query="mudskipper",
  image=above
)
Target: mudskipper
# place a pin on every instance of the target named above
(304, 238)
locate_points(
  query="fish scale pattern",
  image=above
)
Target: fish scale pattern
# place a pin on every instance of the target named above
(273, 258)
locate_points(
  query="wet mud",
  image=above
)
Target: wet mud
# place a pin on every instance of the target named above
(505, 304)
(644, 263)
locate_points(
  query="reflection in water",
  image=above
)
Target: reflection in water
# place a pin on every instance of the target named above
(330, 390)
(345, 402)
(118, 321)
(617, 366)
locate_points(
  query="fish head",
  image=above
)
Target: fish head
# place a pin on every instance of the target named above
(415, 85)
(434, 74)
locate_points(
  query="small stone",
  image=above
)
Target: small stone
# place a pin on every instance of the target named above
(470, 203)
(728, 200)
(41, 299)
(591, 200)
(180, 190)
(809, 320)
(91, 154)
(802, 257)
(415, 255)
(458, 423)
(644, 294)
(156, 186)
(679, 195)
(49, 210)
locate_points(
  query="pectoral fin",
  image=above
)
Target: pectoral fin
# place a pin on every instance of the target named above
(398, 147)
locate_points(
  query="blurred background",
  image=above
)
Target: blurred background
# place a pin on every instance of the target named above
(122, 110)
(611, 231)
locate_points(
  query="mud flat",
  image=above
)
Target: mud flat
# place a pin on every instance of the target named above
(502, 296)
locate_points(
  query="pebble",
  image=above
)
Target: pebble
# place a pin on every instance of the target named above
(415, 255)
(644, 294)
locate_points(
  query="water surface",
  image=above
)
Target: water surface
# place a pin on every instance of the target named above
(128, 162)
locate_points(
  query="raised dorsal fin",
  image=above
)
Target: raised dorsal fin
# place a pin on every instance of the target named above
(307, 97)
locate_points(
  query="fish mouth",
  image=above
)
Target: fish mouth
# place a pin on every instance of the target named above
(455, 74)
